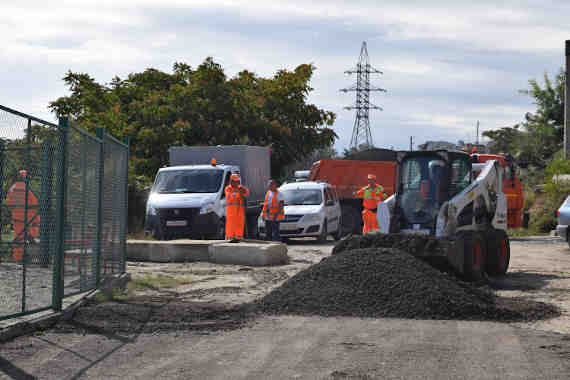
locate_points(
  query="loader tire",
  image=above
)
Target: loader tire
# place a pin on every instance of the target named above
(499, 253)
(475, 253)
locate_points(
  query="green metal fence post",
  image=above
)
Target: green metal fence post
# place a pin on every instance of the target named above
(99, 230)
(61, 191)
(26, 208)
(45, 204)
(2, 162)
(126, 211)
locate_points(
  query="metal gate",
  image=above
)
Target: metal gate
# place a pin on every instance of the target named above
(54, 216)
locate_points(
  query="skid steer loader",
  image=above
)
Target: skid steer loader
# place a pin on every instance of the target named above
(437, 195)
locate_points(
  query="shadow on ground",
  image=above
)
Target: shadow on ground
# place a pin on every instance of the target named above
(151, 314)
(523, 281)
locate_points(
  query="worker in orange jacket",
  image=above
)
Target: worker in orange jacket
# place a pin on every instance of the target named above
(235, 208)
(273, 211)
(371, 195)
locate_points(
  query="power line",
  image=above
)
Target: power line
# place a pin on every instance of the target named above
(361, 134)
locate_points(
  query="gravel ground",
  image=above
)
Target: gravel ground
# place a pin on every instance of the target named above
(38, 286)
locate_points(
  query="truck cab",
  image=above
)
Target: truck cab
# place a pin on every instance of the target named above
(188, 201)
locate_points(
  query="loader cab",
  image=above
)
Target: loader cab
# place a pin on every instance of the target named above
(427, 179)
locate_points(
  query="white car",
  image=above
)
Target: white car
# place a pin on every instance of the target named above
(311, 209)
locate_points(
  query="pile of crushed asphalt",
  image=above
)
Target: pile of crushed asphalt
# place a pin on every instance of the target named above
(414, 244)
(389, 282)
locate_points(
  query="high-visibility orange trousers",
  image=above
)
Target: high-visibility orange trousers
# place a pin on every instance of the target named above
(235, 222)
(370, 221)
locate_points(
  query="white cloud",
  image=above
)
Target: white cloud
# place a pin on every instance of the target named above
(431, 85)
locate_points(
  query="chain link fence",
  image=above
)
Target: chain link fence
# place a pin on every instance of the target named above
(63, 212)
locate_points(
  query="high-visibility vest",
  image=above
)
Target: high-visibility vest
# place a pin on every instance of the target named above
(275, 212)
(372, 196)
(234, 197)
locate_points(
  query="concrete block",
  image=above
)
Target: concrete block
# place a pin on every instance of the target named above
(168, 251)
(247, 253)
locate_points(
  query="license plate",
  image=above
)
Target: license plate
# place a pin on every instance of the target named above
(417, 232)
(288, 227)
(176, 223)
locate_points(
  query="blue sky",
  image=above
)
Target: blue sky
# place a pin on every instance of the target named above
(446, 63)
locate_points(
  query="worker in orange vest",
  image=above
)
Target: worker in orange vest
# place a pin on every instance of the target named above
(273, 212)
(25, 225)
(371, 195)
(235, 208)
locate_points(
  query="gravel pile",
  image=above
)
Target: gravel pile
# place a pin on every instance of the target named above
(388, 282)
(414, 244)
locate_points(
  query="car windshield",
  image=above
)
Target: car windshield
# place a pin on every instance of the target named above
(188, 181)
(302, 197)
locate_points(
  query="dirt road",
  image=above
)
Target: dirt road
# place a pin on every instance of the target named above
(191, 329)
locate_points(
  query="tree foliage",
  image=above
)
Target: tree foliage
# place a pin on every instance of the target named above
(535, 141)
(201, 106)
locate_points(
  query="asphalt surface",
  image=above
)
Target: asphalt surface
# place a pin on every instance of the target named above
(146, 339)
(299, 348)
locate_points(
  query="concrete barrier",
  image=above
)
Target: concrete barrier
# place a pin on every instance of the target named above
(170, 251)
(249, 253)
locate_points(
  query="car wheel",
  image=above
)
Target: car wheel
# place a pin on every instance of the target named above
(157, 233)
(323, 236)
(338, 234)
(221, 230)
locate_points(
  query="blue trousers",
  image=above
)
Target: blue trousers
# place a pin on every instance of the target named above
(272, 230)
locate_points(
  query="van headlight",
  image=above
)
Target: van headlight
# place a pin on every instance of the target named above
(150, 210)
(312, 218)
(207, 208)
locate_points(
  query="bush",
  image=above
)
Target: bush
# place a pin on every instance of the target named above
(556, 191)
(528, 199)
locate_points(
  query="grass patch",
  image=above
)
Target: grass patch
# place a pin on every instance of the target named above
(141, 235)
(158, 282)
(523, 232)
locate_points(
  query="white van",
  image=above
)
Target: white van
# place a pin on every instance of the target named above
(311, 209)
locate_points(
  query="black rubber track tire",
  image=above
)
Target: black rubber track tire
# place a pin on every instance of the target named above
(498, 253)
(474, 254)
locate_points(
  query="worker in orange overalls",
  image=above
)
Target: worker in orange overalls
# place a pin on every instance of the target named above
(235, 208)
(273, 211)
(17, 203)
(371, 195)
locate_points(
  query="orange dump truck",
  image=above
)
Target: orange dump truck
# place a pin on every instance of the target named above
(511, 186)
(349, 176)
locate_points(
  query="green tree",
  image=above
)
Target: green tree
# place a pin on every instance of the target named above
(201, 107)
(535, 141)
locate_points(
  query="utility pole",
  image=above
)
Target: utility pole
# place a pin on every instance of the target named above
(411, 143)
(567, 102)
(361, 134)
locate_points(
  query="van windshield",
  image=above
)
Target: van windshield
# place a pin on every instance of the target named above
(298, 197)
(188, 181)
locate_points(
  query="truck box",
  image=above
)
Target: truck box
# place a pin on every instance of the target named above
(349, 176)
(254, 163)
